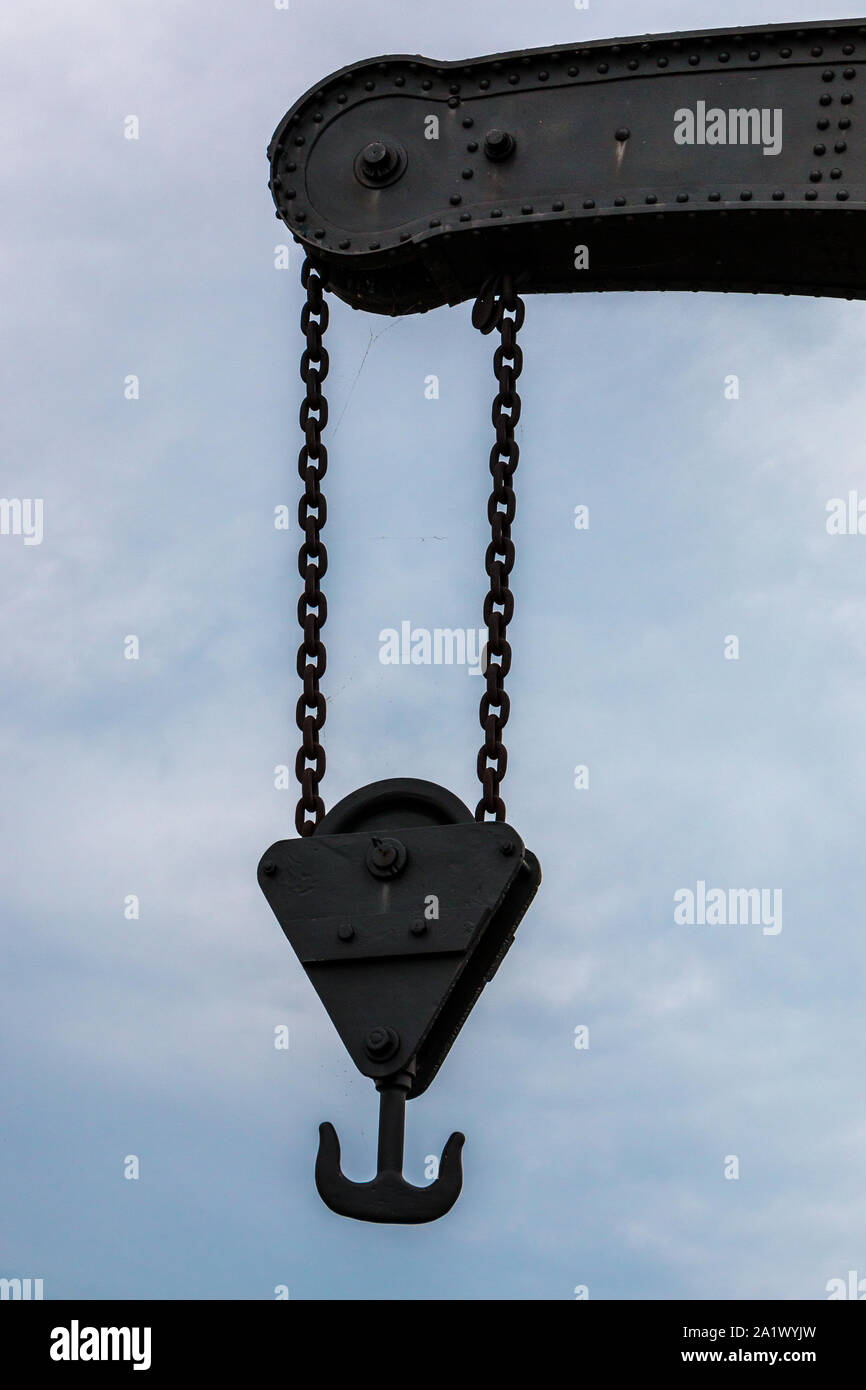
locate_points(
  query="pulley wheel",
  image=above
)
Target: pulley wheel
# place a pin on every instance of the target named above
(397, 802)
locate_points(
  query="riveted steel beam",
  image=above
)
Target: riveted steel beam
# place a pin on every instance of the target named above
(715, 160)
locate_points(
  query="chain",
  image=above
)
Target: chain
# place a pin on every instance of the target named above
(312, 556)
(499, 306)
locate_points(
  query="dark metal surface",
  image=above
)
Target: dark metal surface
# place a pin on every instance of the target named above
(313, 557)
(542, 151)
(499, 306)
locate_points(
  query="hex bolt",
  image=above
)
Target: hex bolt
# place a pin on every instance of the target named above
(346, 931)
(498, 144)
(381, 1043)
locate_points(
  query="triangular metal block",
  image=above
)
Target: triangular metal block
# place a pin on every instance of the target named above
(399, 929)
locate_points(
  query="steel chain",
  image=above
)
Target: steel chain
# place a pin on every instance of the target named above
(312, 556)
(499, 306)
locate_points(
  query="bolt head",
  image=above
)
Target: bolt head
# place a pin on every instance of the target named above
(381, 1043)
(498, 144)
(418, 928)
(345, 931)
(269, 868)
(386, 857)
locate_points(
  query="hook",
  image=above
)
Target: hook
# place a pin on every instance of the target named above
(388, 1197)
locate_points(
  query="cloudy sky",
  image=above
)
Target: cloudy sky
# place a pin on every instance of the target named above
(603, 1167)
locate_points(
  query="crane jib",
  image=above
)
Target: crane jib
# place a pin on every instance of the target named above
(715, 160)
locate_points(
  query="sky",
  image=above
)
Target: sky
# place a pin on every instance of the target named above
(710, 1141)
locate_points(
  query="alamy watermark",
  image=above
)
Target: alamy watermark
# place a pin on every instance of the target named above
(439, 646)
(721, 907)
(22, 516)
(738, 126)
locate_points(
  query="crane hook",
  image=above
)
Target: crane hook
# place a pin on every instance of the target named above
(388, 1196)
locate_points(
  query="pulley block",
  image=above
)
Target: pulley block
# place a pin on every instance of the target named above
(400, 907)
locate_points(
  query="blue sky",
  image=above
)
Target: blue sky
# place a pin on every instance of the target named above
(603, 1167)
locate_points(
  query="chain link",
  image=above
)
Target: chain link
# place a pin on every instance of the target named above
(312, 556)
(499, 306)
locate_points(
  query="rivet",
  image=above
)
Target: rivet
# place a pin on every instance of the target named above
(468, 122)
(824, 123)
(662, 62)
(817, 51)
(816, 176)
(835, 173)
(467, 173)
(344, 245)
(715, 197)
(453, 102)
(508, 848)
(513, 78)
(472, 146)
(602, 68)
(826, 99)
(745, 196)
(572, 72)
(526, 209)
(811, 195)
(426, 84)
(543, 76)
(827, 75)
(651, 199)
(724, 57)
(589, 203)
(632, 64)
(345, 931)
(369, 86)
(455, 200)
(754, 56)
(682, 197)
(842, 195)
(418, 928)
(778, 195)
(559, 205)
(465, 217)
(694, 59)
(849, 74)
(819, 149)
(846, 98)
(269, 868)
(623, 133)
(784, 52)
(619, 202)
(845, 123)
